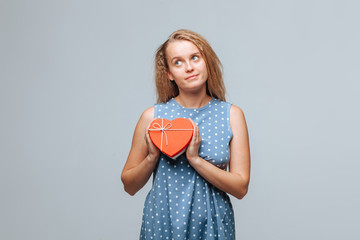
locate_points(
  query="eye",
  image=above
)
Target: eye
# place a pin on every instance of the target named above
(177, 62)
(195, 58)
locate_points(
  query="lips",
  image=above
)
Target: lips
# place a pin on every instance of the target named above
(192, 77)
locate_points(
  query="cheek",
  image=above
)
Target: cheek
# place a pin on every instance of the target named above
(175, 72)
(172, 72)
(202, 66)
(204, 69)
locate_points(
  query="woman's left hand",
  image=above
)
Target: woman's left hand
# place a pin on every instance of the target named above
(192, 152)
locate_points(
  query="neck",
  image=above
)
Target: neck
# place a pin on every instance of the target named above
(193, 100)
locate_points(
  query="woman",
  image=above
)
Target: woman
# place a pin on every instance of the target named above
(188, 199)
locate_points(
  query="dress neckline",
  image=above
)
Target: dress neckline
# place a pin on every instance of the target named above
(194, 109)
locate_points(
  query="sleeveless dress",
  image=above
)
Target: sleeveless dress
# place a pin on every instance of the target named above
(181, 204)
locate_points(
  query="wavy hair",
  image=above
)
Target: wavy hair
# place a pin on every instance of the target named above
(167, 89)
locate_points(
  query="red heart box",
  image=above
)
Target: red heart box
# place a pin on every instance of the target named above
(171, 137)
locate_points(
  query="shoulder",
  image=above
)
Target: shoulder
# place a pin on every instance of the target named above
(236, 111)
(237, 118)
(147, 115)
(145, 119)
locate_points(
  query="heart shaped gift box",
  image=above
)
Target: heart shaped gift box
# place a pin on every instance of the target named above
(171, 137)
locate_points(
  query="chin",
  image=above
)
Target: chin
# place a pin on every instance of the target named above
(195, 89)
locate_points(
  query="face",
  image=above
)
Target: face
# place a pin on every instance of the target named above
(187, 66)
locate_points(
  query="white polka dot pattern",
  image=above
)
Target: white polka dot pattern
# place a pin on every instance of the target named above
(181, 204)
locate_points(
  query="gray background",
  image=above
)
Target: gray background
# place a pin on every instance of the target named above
(76, 75)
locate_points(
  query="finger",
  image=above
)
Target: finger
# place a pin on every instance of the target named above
(147, 131)
(196, 131)
(148, 126)
(194, 139)
(147, 134)
(195, 127)
(193, 123)
(198, 134)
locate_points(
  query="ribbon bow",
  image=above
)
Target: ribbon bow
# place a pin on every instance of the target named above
(162, 128)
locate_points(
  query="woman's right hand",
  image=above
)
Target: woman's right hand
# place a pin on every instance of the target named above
(154, 152)
(143, 155)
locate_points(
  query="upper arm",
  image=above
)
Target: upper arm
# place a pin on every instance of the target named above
(239, 144)
(139, 149)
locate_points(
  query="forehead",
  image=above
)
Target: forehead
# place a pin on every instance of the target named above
(180, 48)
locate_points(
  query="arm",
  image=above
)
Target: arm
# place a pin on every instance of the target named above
(142, 158)
(236, 181)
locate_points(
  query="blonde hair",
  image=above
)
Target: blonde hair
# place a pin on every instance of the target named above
(167, 89)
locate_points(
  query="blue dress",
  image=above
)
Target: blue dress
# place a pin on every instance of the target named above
(181, 204)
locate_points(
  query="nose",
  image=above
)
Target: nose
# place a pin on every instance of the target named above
(189, 67)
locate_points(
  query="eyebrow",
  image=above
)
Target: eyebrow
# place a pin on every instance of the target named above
(195, 53)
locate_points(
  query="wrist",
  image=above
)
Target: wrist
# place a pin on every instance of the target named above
(195, 161)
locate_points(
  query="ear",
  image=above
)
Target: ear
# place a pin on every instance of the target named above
(170, 76)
